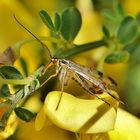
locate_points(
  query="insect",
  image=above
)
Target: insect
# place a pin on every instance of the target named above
(91, 80)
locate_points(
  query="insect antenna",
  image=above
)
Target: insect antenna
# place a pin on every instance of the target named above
(33, 35)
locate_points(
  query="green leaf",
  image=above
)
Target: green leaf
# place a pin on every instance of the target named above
(10, 72)
(4, 90)
(135, 54)
(71, 23)
(128, 30)
(24, 114)
(106, 32)
(46, 19)
(132, 47)
(108, 14)
(24, 66)
(57, 21)
(117, 57)
(118, 8)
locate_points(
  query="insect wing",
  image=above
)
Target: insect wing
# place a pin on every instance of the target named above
(93, 76)
(90, 76)
(87, 86)
(85, 72)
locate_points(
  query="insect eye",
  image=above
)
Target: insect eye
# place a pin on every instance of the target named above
(54, 59)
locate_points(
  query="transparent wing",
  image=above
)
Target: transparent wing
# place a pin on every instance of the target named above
(92, 89)
(94, 76)
(87, 86)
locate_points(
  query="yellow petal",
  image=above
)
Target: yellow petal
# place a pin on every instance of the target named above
(41, 120)
(81, 115)
(27, 131)
(127, 127)
(33, 103)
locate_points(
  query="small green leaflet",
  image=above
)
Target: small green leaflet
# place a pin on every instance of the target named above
(57, 21)
(71, 23)
(24, 114)
(117, 57)
(10, 72)
(47, 19)
(128, 30)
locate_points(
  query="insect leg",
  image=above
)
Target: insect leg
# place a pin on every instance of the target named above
(108, 91)
(89, 88)
(62, 86)
(46, 67)
(113, 83)
(78, 83)
(54, 75)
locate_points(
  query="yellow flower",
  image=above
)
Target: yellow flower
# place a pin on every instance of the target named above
(27, 131)
(127, 127)
(79, 115)
(92, 119)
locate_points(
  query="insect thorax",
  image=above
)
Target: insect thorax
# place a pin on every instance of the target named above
(63, 71)
(63, 63)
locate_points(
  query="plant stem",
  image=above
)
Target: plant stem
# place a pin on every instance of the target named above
(80, 48)
(8, 112)
(16, 98)
(15, 81)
